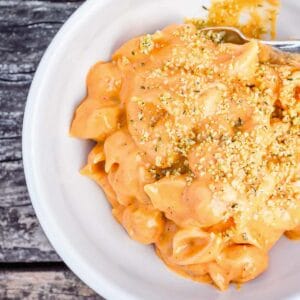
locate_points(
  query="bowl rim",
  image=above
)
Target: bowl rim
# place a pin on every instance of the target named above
(95, 280)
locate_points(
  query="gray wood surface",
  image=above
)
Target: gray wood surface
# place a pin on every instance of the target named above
(29, 267)
(43, 285)
(26, 29)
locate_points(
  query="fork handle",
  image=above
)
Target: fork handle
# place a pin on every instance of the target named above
(287, 46)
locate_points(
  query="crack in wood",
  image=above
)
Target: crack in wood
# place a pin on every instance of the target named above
(9, 80)
(3, 138)
(33, 24)
(11, 160)
(33, 266)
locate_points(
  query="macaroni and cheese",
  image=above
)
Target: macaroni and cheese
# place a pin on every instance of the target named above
(197, 149)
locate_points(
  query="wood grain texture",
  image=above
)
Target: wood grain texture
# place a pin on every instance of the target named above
(29, 266)
(26, 29)
(49, 285)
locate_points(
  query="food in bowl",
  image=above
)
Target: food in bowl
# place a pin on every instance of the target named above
(197, 149)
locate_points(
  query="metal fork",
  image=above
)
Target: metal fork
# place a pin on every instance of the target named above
(234, 35)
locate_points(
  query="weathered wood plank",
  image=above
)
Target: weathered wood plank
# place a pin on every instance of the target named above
(21, 237)
(12, 184)
(10, 149)
(26, 29)
(36, 10)
(60, 284)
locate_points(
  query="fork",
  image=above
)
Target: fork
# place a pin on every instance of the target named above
(234, 35)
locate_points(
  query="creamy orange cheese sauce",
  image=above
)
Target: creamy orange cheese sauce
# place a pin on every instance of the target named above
(197, 149)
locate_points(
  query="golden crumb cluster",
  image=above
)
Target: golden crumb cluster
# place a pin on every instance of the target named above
(255, 18)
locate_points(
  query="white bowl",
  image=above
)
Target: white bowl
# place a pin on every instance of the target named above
(72, 209)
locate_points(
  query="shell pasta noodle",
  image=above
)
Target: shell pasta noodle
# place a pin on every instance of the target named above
(197, 148)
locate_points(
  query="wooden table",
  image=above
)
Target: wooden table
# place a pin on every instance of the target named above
(29, 267)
